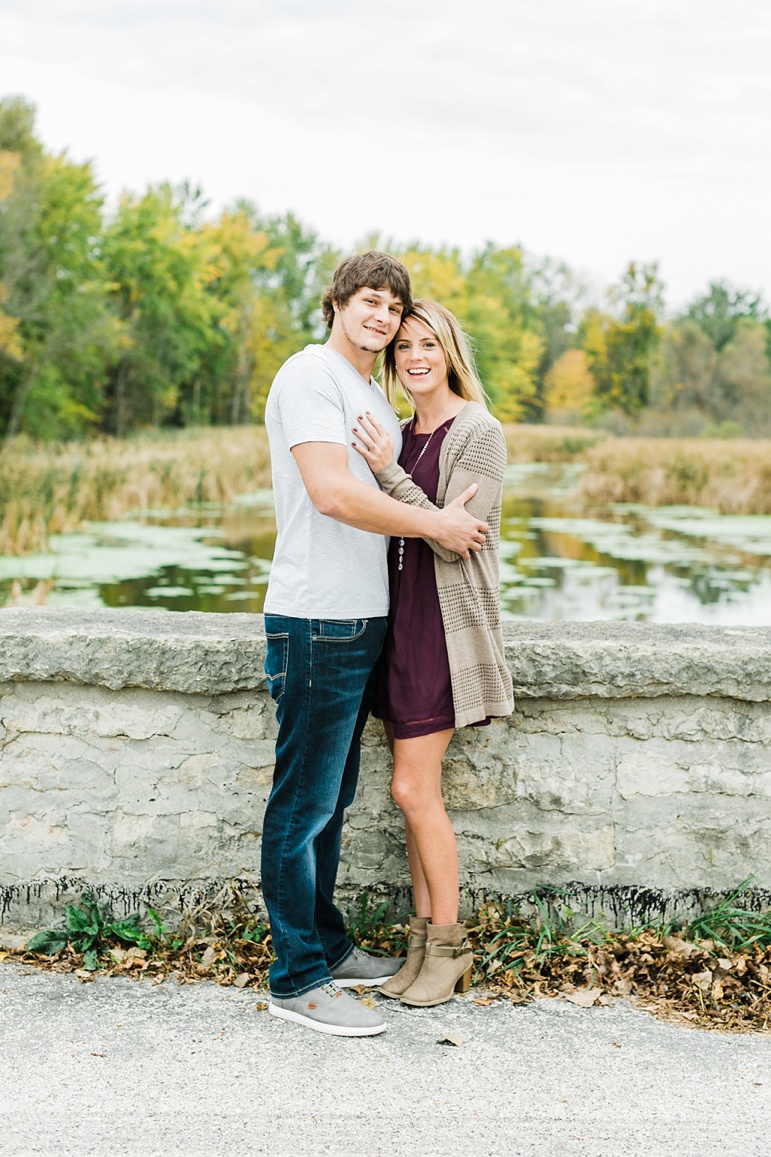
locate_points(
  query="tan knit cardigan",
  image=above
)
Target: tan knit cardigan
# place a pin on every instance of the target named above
(474, 450)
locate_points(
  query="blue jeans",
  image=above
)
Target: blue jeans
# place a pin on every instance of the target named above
(320, 675)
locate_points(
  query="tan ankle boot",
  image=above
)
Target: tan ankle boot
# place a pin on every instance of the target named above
(416, 950)
(446, 967)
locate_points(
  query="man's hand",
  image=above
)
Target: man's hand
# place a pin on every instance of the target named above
(458, 530)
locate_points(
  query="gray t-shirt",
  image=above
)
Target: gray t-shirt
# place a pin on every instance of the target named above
(323, 569)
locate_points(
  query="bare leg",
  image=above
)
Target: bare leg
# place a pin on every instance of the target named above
(420, 893)
(431, 848)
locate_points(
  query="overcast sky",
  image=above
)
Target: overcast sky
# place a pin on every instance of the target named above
(594, 131)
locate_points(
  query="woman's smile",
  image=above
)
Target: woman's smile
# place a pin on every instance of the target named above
(420, 360)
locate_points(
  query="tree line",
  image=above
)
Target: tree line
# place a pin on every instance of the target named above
(157, 313)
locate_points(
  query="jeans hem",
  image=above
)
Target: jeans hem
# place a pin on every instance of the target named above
(302, 991)
(342, 959)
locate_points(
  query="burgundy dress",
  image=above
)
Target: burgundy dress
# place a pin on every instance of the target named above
(414, 691)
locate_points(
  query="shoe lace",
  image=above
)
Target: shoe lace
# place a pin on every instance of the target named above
(330, 988)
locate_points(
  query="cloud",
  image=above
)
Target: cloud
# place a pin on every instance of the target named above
(616, 79)
(607, 126)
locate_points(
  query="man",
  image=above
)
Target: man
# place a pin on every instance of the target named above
(325, 619)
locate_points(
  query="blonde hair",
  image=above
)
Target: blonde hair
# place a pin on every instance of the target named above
(461, 372)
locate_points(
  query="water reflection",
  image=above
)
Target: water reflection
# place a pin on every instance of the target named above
(666, 564)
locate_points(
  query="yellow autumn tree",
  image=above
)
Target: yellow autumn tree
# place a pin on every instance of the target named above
(570, 387)
(10, 338)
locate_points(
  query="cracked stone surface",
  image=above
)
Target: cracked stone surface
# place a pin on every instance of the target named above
(136, 754)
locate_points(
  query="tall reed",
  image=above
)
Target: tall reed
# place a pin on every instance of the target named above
(549, 443)
(47, 490)
(732, 477)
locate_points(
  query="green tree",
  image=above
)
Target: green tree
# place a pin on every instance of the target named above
(721, 311)
(684, 374)
(59, 332)
(490, 295)
(503, 318)
(286, 314)
(159, 268)
(438, 275)
(559, 298)
(220, 391)
(621, 345)
(744, 378)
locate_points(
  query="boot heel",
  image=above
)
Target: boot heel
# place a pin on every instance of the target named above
(463, 982)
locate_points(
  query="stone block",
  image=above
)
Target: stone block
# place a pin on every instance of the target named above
(136, 756)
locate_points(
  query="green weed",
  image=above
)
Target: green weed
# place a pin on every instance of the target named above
(89, 930)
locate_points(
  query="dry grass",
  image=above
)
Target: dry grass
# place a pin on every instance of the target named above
(732, 477)
(48, 490)
(549, 443)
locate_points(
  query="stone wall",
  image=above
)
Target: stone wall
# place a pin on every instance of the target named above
(136, 758)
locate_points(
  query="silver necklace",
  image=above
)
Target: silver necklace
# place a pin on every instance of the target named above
(414, 467)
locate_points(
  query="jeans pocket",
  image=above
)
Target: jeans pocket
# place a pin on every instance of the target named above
(340, 630)
(276, 663)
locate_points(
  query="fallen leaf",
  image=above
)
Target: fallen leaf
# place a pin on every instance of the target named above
(606, 1000)
(584, 998)
(209, 956)
(703, 980)
(451, 1039)
(242, 980)
(261, 1007)
(368, 1002)
(680, 947)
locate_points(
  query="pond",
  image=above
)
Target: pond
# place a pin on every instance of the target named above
(659, 564)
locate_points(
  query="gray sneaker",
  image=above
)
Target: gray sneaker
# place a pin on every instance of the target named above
(328, 1009)
(359, 968)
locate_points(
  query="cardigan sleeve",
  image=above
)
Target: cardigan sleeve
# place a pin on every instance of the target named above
(481, 459)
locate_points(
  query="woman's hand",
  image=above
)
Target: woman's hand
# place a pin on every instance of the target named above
(374, 442)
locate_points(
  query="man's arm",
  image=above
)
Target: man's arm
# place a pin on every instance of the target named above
(334, 491)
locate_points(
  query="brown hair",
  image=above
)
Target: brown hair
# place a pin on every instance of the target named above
(461, 372)
(373, 270)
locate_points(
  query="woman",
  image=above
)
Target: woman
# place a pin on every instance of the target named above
(443, 662)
